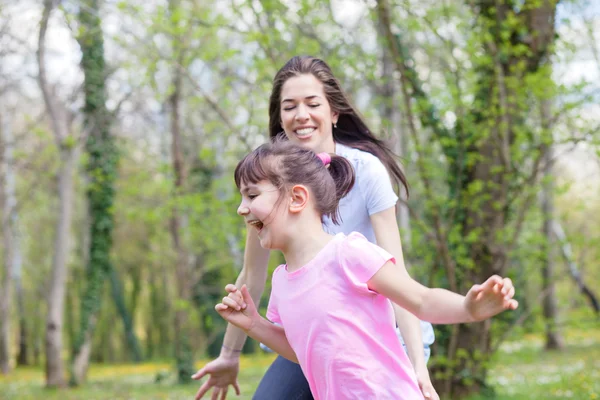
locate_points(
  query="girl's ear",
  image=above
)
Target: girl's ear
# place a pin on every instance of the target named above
(334, 117)
(299, 198)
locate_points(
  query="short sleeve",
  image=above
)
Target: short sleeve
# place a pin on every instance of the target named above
(361, 259)
(375, 185)
(273, 307)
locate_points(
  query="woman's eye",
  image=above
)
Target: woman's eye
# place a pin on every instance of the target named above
(252, 196)
(288, 108)
(314, 105)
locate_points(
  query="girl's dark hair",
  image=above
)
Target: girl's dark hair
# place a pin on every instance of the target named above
(285, 164)
(351, 130)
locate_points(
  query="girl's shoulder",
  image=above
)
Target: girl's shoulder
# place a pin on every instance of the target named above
(279, 271)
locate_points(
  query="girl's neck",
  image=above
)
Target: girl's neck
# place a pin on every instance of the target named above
(304, 247)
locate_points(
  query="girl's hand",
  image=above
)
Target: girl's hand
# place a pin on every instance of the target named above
(490, 298)
(238, 308)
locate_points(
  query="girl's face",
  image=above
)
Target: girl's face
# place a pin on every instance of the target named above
(263, 209)
(306, 116)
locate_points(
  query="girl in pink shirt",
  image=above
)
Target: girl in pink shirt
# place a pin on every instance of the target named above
(331, 297)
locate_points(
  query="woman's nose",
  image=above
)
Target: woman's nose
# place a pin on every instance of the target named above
(301, 113)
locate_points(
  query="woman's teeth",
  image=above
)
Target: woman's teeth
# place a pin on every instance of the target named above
(304, 131)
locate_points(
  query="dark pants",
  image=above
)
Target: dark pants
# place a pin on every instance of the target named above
(284, 380)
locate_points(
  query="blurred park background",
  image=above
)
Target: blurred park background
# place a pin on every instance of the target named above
(121, 123)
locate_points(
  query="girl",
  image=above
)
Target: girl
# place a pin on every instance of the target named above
(331, 296)
(308, 106)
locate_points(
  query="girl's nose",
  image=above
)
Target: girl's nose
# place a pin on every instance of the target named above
(243, 210)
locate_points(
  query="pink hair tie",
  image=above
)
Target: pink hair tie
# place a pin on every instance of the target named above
(325, 157)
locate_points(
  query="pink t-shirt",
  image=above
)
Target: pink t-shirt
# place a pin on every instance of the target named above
(343, 333)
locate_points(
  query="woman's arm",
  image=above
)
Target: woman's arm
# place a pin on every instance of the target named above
(254, 276)
(223, 370)
(388, 237)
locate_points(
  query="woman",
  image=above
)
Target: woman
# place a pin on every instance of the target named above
(308, 105)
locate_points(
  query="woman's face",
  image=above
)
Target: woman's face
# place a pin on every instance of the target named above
(306, 116)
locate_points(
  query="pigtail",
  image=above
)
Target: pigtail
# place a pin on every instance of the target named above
(343, 176)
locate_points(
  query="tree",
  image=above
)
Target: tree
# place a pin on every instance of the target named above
(554, 340)
(10, 240)
(66, 142)
(490, 181)
(183, 350)
(102, 172)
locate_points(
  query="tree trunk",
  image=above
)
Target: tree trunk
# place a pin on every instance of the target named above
(391, 118)
(102, 172)
(81, 357)
(23, 355)
(573, 269)
(133, 344)
(183, 349)
(55, 374)
(554, 340)
(10, 241)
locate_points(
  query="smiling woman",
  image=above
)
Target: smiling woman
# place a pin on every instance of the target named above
(308, 107)
(306, 114)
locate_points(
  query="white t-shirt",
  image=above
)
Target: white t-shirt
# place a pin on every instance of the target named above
(372, 192)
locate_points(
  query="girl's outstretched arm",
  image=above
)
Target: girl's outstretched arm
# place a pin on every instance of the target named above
(440, 305)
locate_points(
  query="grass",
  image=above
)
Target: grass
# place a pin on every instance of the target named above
(126, 382)
(520, 371)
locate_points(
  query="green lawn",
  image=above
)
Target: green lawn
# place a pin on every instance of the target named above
(520, 371)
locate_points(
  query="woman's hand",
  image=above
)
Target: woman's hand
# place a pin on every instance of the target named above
(425, 384)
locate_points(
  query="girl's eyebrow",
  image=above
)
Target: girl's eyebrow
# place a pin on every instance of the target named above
(314, 96)
(246, 189)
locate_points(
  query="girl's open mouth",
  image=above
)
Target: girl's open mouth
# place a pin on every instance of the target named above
(257, 224)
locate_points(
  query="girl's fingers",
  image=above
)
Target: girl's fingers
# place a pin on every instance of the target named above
(246, 295)
(228, 301)
(510, 294)
(507, 284)
(498, 288)
(491, 284)
(231, 288)
(237, 297)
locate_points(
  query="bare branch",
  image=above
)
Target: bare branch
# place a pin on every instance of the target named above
(53, 106)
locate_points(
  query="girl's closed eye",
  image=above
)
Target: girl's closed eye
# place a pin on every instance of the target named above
(314, 105)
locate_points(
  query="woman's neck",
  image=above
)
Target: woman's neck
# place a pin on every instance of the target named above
(328, 147)
(304, 247)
